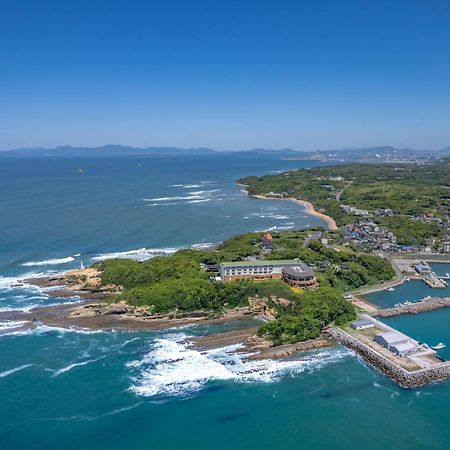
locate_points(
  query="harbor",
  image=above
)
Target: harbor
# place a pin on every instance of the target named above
(424, 305)
(402, 328)
(407, 361)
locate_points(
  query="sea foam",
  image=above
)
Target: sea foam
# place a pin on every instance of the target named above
(49, 262)
(140, 254)
(173, 368)
(16, 369)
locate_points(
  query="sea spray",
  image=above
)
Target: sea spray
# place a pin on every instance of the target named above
(173, 368)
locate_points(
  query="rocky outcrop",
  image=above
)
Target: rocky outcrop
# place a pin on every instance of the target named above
(398, 374)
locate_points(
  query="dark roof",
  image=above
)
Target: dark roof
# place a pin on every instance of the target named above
(300, 271)
(361, 323)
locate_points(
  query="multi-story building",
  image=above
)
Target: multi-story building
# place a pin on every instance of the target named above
(254, 270)
(301, 276)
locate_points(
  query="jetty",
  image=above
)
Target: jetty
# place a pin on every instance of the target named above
(418, 366)
(424, 305)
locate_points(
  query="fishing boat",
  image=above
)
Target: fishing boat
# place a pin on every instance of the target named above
(438, 346)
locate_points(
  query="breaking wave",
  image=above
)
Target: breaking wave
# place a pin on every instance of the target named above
(143, 254)
(16, 369)
(71, 366)
(17, 283)
(167, 199)
(140, 254)
(49, 262)
(11, 325)
(172, 368)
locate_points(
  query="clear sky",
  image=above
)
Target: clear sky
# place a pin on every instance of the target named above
(225, 74)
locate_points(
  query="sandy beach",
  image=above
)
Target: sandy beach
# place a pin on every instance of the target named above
(309, 207)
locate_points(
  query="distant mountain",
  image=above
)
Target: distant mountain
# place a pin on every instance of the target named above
(105, 150)
(368, 154)
(123, 150)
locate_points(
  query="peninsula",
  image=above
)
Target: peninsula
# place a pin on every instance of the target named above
(303, 283)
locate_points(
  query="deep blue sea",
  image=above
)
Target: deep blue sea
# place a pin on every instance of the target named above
(65, 389)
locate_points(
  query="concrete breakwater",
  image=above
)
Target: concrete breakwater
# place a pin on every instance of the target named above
(424, 305)
(396, 373)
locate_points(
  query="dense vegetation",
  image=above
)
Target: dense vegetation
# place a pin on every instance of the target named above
(305, 318)
(179, 283)
(408, 190)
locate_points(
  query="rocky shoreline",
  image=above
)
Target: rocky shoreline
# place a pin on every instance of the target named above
(96, 313)
(259, 348)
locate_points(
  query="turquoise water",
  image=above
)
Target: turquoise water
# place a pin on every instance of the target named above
(431, 328)
(412, 291)
(63, 389)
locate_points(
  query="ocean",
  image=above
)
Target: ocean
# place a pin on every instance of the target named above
(65, 389)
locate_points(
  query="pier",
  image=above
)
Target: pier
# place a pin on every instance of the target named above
(424, 305)
(419, 270)
(419, 368)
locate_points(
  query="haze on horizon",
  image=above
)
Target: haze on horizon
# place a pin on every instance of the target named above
(225, 75)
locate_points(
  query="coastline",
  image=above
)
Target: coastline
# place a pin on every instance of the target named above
(309, 207)
(96, 312)
(97, 317)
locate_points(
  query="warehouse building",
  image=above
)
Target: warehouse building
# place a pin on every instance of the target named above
(396, 342)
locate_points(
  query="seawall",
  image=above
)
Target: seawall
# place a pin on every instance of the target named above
(396, 373)
(426, 304)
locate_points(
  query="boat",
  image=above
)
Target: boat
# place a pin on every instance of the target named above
(407, 279)
(447, 274)
(438, 346)
(390, 289)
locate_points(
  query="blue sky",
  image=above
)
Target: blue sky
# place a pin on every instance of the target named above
(225, 74)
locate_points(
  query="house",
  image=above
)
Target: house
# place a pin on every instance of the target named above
(274, 195)
(267, 242)
(362, 324)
